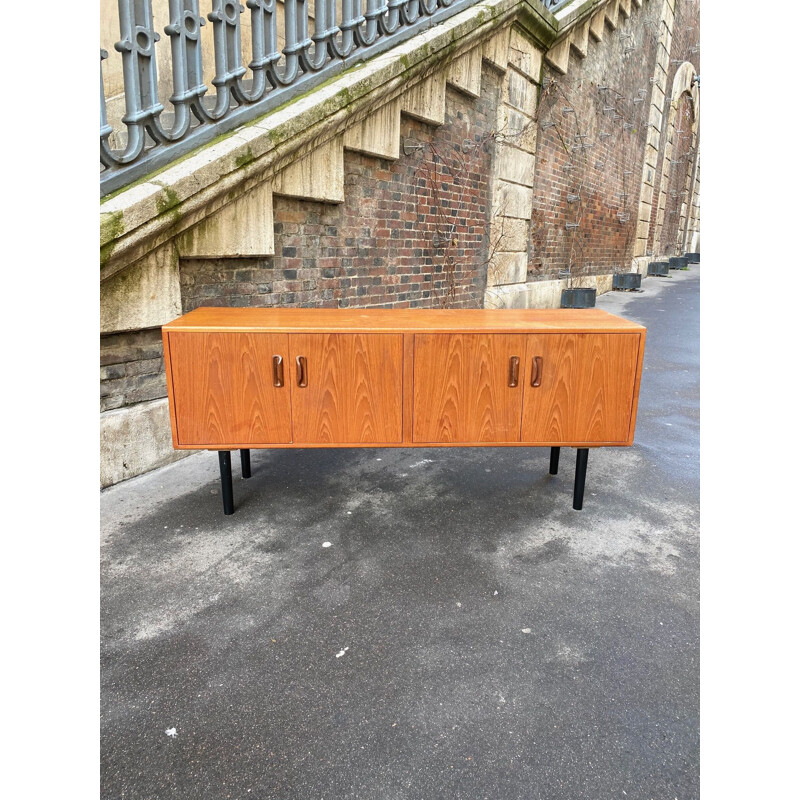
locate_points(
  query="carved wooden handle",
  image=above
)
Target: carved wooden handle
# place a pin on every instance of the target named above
(277, 371)
(513, 371)
(536, 371)
(302, 374)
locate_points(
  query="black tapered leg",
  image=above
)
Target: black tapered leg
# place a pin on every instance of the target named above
(555, 452)
(227, 481)
(580, 477)
(245, 454)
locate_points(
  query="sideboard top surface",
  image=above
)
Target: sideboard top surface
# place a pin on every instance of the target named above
(399, 320)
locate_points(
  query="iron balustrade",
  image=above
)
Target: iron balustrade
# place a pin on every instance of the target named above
(344, 32)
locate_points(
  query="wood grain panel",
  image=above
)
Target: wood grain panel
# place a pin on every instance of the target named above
(222, 388)
(355, 388)
(461, 391)
(587, 387)
(399, 320)
(408, 388)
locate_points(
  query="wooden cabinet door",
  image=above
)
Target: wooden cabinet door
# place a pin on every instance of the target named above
(461, 387)
(353, 392)
(223, 388)
(586, 387)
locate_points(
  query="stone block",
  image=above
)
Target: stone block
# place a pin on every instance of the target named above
(514, 165)
(425, 101)
(512, 200)
(508, 234)
(135, 439)
(653, 137)
(318, 176)
(580, 38)
(655, 116)
(558, 56)
(377, 135)
(145, 295)
(507, 268)
(516, 128)
(495, 50)
(597, 25)
(524, 56)
(520, 92)
(603, 283)
(611, 11)
(465, 72)
(242, 228)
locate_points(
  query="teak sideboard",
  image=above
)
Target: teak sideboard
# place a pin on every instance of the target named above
(244, 378)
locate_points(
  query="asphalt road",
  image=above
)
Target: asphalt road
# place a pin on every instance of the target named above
(465, 635)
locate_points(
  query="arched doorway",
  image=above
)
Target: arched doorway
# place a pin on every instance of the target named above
(676, 210)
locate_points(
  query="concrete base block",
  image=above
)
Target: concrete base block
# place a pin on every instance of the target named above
(603, 283)
(134, 440)
(507, 268)
(639, 265)
(540, 294)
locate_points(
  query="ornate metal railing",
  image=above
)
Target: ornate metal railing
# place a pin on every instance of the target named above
(317, 46)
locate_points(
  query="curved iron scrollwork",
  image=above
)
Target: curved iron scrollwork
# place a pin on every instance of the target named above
(316, 45)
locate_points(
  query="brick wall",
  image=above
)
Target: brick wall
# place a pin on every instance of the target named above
(410, 234)
(686, 34)
(606, 175)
